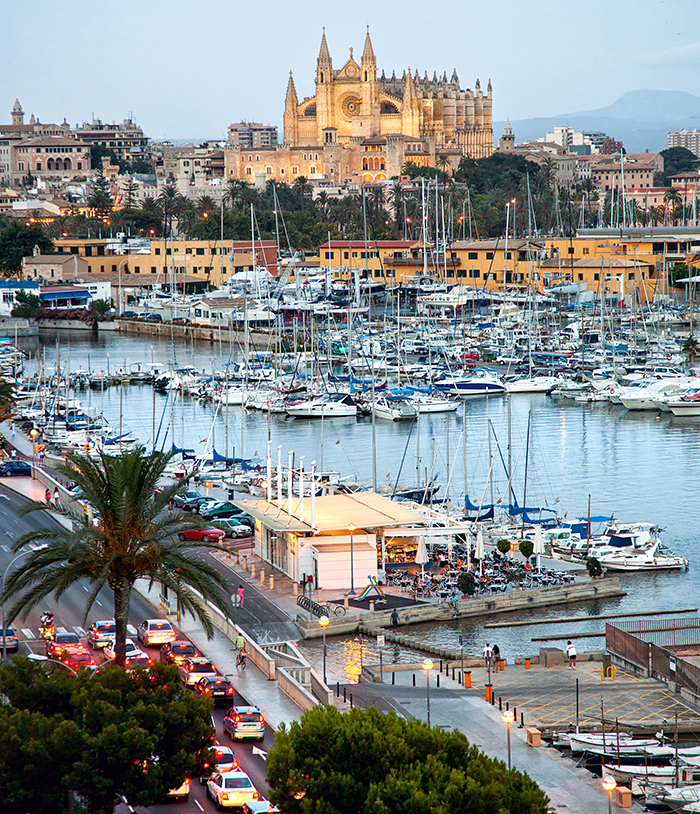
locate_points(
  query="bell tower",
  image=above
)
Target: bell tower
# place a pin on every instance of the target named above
(324, 88)
(17, 113)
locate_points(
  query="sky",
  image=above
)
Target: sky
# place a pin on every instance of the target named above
(185, 70)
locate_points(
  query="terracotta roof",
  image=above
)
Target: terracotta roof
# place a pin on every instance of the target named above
(51, 259)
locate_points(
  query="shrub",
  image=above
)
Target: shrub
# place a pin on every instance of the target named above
(503, 546)
(525, 548)
(466, 583)
(595, 569)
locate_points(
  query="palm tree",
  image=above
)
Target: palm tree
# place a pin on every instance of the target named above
(169, 201)
(131, 537)
(7, 399)
(691, 348)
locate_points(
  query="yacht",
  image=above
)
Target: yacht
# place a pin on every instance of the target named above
(480, 382)
(533, 384)
(652, 557)
(431, 404)
(331, 405)
(394, 408)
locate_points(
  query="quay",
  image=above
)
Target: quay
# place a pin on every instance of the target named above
(563, 619)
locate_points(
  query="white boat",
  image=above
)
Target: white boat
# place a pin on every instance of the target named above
(432, 404)
(232, 396)
(652, 557)
(688, 405)
(480, 382)
(331, 405)
(644, 398)
(637, 778)
(393, 408)
(662, 798)
(533, 384)
(603, 744)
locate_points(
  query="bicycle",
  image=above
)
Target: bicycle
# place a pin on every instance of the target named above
(242, 659)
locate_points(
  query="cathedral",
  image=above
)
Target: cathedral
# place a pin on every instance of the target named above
(353, 103)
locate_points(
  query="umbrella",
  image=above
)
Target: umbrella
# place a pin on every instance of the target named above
(538, 548)
(479, 553)
(422, 553)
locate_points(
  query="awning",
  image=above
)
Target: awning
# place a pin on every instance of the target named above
(76, 294)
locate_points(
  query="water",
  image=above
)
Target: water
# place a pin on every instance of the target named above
(635, 466)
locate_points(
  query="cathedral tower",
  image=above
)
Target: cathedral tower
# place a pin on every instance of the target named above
(17, 113)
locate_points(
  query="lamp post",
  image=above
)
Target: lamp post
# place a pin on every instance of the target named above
(38, 657)
(2, 585)
(34, 433)
(351, 528)
(427, 666)
(609, 784)
(508, 716)
(323, 621)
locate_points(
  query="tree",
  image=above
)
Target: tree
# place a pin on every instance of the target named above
(27, 305)
(691, 348)
(593, 566)
(676, 160)
(503, 546)
(132, 537)
(466, 583)
(101, 306)
(99, 736)
(365, 761)
(7, 399)
(100, 200)
(17, 241)
(526, 547)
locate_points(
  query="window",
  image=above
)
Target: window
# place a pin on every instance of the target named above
(157, 251)
(580, 277)
(137, 269)
(630, 276)
(153, 270)
(473, 255)
(114, 267)
(282, 172)
(295, 170)
(596, 276)
(346, 255)
(38, 166)
(199, 251)
(330, 255)
(312, 170)
(248, 171)
(586, 250)
(489, 255)
(257, 158)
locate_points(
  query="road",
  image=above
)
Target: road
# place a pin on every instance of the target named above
(68, 615)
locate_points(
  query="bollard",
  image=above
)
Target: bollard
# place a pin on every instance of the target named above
(500, 705)
(414, 679)
(262, 576)
(295, 589)
(337, 689)
(506, 705)
(493, 699)
(440, 665)
(527, 664)
(245, 563)
(453, 673)
(489, 693)
(345, 696)
(438, 679)
(320, 595)
(351, 700)
(515, 713)
(522, 721)
(346, 604)
(238, 558)
(371, 605)
(502, 665)
(467, 678)
(252, 570)
(393, 677)
(272, 582)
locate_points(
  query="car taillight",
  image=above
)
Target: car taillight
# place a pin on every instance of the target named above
(237, 719)
(224, 796)
(261, 719)
(205, 765)
(255, 795)
(206, 690)
(229, 691)
(150, 661)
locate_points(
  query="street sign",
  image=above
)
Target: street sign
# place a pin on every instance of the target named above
(381, 640)
(672, 663)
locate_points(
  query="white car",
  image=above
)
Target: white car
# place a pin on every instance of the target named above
(231, 790)
(191, 670)
(156, 631)
(225, 761)
(131, 649)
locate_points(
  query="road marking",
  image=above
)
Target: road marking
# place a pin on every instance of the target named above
(84, 587)
(61, 630)
(28, 633)
(6, 548)
(98, 602)
(79, 630)
(260, 752)
(4, 497)
(131, 630)
(198, 805)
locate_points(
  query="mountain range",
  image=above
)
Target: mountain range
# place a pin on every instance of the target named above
(640, 119)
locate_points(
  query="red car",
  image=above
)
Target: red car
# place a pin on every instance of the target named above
(56, 646)
(205, 535)
(77, 657)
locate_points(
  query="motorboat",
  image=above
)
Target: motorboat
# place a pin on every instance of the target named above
(602, 744)
(393, 408)
(688, 405)
(533, 384)
(663, 798)
(652, 557)
(330, 405)
(480, 382)
(431, 404)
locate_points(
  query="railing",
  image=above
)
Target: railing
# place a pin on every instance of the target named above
(627, 646)
(319, 609)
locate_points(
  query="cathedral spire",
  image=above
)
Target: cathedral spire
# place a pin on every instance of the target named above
(324, 55)
(291, 91)
(455, 78)
(324, 63)
(368, 62)
(409, 91)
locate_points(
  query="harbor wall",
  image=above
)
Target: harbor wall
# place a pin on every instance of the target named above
(466, 608)
(12, 326)
(258, 340)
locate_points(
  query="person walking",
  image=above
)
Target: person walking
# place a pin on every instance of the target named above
(394, 619)
(47, 496)
(13, 454)
(488, 655)
(12, 428)
(55, 496)
(240, 596)
(496, 657)
(571, 655)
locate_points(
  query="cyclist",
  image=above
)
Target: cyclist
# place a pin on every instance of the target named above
(242, 658)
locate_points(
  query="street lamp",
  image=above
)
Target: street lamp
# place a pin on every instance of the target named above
(2, 586)
(427, 666)
(351, 528)
(34, 433)
(323, 621)
(609, 784)
(38, 657)
(508, 716)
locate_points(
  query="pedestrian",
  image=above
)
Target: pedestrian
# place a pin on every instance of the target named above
(488, 655)
(41, 457)
(47, 496)
(196, 477)
(12, 427)
(571, 655)
(13, 454)
(55, 496)
(394, 619)
(496, 657)
(240, 596)
(171, 504)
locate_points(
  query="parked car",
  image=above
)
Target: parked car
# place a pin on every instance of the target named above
(11, 640)
(138, 659)
(130, 646)
(129, 315)
(233, 527)
(101, 633)
(213, 686)
(191, 670)
(55, 646)
(176, 652)
(244, 722)
(180, 498)
(220, 508)
(193, 503)
(180, 321)
(153, 318)
(156, 631)
(205, 534)
(77, 657)
(224, 761)
(231, 790)
(15, 468)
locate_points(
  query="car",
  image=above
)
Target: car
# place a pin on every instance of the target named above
(192, 669)
(232, 789)
(244, 722)
(225, 761)
(138, 659)
(130, 647)
(205, 534)
(233, 527)
(156, 631)
(180, 321)
(176, 652)
(10, 640)
(216, 687)
(77, 658)
(182, 792)
(129, 315)
(101, 633)
(54, 647)
(220, 508)
(259, 807)
(153, 317)
(193, 503)
(181, 498)
(15, 468)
